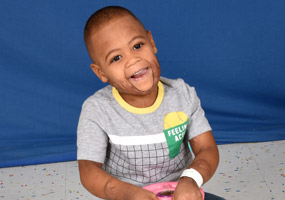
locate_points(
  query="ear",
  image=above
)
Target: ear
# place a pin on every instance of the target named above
(152, 41)
(98, 71)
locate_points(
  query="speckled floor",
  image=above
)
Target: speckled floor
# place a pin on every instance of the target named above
(247, 171)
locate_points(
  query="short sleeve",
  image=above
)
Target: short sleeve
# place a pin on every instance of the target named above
(92, 141)
(198, 122)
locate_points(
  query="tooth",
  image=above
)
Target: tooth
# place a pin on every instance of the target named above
(138, 72)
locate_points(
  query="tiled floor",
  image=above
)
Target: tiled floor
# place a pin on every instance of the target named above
(248, 171)
(252, 171)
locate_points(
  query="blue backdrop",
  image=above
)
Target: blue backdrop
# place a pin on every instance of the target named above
(232, 51)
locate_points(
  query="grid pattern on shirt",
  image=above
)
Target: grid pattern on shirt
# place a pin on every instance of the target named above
(144, 163)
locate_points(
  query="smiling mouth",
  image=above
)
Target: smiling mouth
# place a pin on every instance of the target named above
(140, 73)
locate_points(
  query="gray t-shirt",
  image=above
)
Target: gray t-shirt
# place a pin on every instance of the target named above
(141, 146)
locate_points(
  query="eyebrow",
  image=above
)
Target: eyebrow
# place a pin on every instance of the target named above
(114, 50)
(136, 37)
(110, 52)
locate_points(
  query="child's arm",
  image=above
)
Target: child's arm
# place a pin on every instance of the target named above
(205, 162)
(101, 184)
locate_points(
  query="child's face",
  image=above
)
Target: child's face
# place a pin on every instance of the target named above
(124, 55)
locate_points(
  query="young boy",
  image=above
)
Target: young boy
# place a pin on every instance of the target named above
(135, 131)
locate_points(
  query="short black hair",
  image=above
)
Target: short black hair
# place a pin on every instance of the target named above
(103, 16)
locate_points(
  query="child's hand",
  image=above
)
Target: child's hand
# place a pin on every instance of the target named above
(187, 189)
(140, 194)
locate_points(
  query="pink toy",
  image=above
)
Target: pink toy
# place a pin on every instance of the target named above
(165, 190)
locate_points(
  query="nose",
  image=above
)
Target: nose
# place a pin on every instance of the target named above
(132, 59)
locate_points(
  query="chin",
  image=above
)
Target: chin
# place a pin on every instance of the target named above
(148, 91)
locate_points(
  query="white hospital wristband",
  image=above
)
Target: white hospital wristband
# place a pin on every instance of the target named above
(192, 173)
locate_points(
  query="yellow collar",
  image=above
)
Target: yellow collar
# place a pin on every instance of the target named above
(136, 110)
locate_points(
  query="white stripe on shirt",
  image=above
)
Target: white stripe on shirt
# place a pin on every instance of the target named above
(138, 140)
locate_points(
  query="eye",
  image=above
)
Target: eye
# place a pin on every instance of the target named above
(116, 58)
(138, 46)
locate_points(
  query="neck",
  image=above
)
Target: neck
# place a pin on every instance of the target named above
(141, 101)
